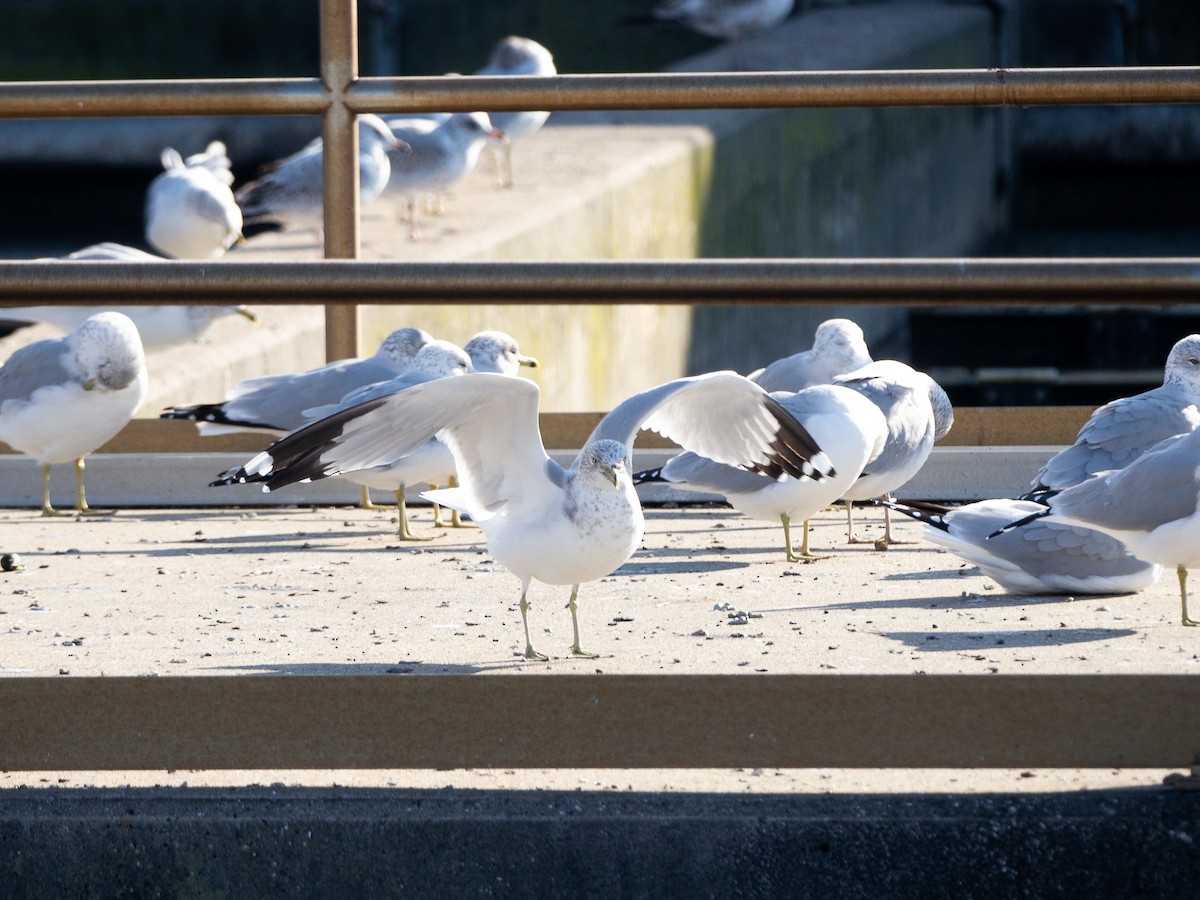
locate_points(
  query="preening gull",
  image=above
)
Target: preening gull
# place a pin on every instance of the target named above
(290, 193)
(847, 426)
(516, 56)
(62, 398)
(543, 522)
(443, 153)
(838, 348)
(158, 326)
(918, 412)
(432, 463)
(1152, 506)
(190, 210)
(1119, 432)
(1041, 558)
(276, 403)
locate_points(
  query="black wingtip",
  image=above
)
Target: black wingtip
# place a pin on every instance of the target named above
(793, 450)
(648, 476)
(1033, 517)
(928, 515)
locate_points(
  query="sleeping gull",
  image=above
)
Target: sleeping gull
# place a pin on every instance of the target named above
(838, 348)
(1120, 431)
(516, 56)
(443, 153)
(1041, 558)
(847, 426)
(559, 526)
(729, 20)
(1152, 506)
(276, 403)
(159, 326)
(918, 413)
(190, 210)
(62, 398)
(432, 463)
(291, 192)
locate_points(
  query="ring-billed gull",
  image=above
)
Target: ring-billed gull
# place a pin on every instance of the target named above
(838, 348)
(850, 430)
(1152, 506)
(544, 522)
(159, 326)
(190, 210)
(1120, 431)
(432, 463)
(443, 153)
(1048, 557)
(516, 56)
(276, 403)
(62, 398)
(290, 193)
(918, 413)
(1041, 558)
(729, 20)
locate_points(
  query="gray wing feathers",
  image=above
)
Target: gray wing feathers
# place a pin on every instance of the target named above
(33, 366)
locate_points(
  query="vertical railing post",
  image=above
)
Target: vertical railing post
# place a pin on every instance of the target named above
(339, 69)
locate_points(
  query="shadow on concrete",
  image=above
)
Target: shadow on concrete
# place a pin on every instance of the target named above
(336, 842)
(943, 641)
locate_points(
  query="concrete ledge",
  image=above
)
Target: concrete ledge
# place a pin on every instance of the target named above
(181, 479)
(326, 843)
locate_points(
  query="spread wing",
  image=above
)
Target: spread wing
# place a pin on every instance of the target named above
(724, 417)
(488, 421)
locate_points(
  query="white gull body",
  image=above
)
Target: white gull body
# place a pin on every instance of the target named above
(543, 522)
(62, 398)
(190, 211)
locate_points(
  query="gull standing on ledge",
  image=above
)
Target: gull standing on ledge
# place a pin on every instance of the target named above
(443, 153)
(544, 522)
(516, 56)
(190, 210)
(850, 430)
(291, 192)
(918, 413)
(62, 398)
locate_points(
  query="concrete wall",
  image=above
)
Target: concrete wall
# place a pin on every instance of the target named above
(778, 183)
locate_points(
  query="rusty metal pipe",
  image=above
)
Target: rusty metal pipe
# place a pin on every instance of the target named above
(292, 96)
(201, 97)
(949, 87)
(339, 69)
(908, 282)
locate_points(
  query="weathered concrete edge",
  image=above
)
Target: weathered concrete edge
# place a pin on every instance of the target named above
(455, 843)
(181, 479)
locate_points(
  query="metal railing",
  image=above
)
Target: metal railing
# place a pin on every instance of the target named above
(345, 722)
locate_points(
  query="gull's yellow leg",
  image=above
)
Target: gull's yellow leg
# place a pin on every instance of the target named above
(366, 502)
(573, 606)
(403, 532)
(81, 504)
(1182, 573)
(47, 508)
(530, 653)
(805, 554)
